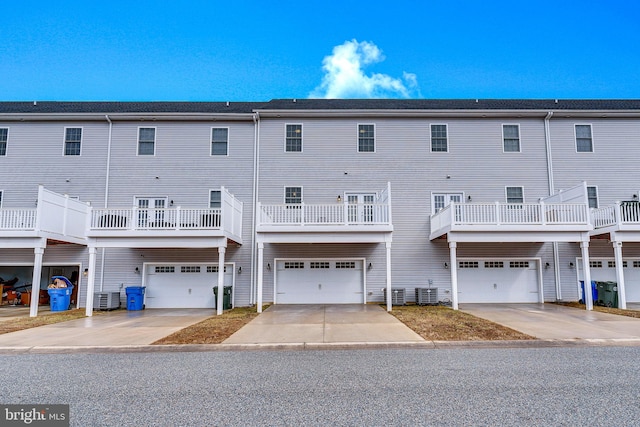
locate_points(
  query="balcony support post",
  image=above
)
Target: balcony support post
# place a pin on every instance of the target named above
(586, 269)
(389, 299)
(453, 263)
(617, 251)
(221, 253)
(260, 276)
(91, 281)
(35, 280)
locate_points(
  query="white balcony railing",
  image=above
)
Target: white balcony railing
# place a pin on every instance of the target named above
(497, 214)
(155, 219)
(627, 213)
(18, 219)
(324, 214)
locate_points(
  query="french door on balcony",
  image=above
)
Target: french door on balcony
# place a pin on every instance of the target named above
(360, 207)
(150, 211)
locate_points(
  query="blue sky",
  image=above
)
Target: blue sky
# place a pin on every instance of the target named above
(255, 50)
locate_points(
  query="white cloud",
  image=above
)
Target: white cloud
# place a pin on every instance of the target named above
(345, 78)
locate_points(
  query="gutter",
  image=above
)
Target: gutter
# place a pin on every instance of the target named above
(556, 255)
(106, 199)
(256, 176)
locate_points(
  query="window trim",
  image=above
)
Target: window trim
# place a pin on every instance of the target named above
(6, 143)
(155, 140)
(285, 194)
(575, 137)
(211, 142)
(64, 141)
(446, 125)
(506, 194)
(219, 190)
(301, 137)
(519, 138)
(358, 137)
(597, 198)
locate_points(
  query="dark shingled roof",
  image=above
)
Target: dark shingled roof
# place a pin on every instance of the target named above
(48, 107)
(53, 107)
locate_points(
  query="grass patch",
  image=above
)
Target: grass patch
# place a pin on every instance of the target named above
(437, 323)
(213, 330)
(21, 323)
(610, 310)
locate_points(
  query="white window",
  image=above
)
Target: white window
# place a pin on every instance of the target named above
(4, 137)
(146, 141)
(515, 194)
(219, 141)
(72, 141)
(592, 196)
(439, 141)
(293, 139)
(366, 139)
(215, 199)
(441, 200)
(511, 138)
(293, 195)
(151, 211)
(584, 140)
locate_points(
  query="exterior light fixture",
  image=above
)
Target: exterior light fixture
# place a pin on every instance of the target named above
(339, 198)
(446, 265)
(85, 273)
(268, 267)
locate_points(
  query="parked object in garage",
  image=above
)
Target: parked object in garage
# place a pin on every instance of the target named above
(135, 298)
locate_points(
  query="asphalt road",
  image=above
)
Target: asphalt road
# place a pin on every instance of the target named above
(480, 387)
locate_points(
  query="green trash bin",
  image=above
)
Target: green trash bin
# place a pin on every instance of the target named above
(608, 294)
(226, 297)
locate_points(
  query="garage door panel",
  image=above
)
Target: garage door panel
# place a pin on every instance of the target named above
(319, 282)
(175, 286)
(498, 281)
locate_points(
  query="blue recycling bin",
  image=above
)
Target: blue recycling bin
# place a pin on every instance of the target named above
(594, 292)
(60, 298)
(135, 298)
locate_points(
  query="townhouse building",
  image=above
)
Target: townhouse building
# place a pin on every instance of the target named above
(322, 201)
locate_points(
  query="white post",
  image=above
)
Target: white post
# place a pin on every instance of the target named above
(617, 251)
(588, 296)
(91, 281)
(221, 252)
(389, 298)
(260, 276)
(35, 281)
(454, 274)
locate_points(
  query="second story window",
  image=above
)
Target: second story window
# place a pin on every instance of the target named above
(511, 138)
(72, 141)
(215, 199)
(592, 197)
(219, 141)
(293, 195)
(293, 140)
(4, 136)
(366, 139)
(584, 140)
(439, 138)
(146, 141)
(515, 195)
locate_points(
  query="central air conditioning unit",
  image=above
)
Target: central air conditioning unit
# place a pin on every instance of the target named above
(398, 296)
(106, 300)
(426, 296)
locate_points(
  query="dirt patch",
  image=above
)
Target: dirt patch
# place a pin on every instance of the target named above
(610, 310)
(213, 330)
(437, 323)
(21, 323)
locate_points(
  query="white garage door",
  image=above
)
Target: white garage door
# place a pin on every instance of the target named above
(605, 270)
(183, 286)
(498, 281)
(319, 282)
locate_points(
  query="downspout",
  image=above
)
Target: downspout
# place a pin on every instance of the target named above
(106, 198)
(256, 175)
(556, 255)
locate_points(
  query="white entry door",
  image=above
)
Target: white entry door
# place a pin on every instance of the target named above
(498, 281)
(151, 211)
(319, 282)
(360, 207)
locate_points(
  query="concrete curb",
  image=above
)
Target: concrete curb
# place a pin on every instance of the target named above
(424, 345)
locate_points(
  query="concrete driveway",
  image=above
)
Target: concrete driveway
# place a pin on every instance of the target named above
(117, 328)
(552, 321)
(313, 324)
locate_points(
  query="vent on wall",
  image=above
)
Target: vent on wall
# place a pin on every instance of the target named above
(426, 296)
(398, 296)
(106, 300)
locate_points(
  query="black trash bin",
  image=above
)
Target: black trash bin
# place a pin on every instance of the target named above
(226, 297)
